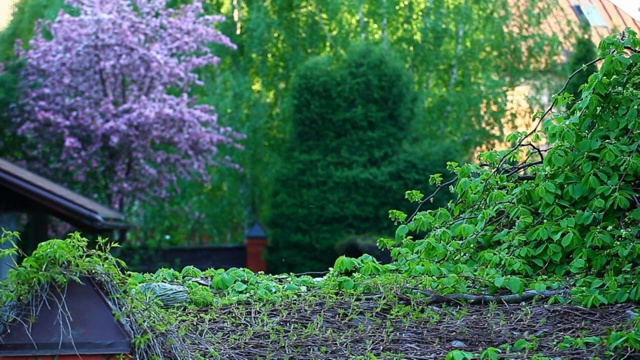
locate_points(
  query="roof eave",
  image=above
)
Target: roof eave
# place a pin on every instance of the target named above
(61, 206)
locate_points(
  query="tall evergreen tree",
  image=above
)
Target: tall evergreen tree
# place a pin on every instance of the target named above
(346, 164)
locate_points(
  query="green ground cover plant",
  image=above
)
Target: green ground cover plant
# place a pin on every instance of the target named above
(535, 258)
(351, 312)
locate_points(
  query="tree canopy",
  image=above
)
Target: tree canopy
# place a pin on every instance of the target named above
(532, 230)
(567, 214)
(446, 44)
(348, 157)
(105, 102)
(462, 103)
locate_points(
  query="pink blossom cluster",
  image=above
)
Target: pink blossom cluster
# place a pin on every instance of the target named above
(108, 94)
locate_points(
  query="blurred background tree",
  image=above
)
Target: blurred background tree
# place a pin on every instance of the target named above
(21, 27)
(105, 106)
(346, 162)
(584, 50)
(26, 14)
(462, 61)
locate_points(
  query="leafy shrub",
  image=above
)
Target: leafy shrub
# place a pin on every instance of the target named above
(566, 216)
(348, 160)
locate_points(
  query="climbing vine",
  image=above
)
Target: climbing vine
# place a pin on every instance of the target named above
(565, 216)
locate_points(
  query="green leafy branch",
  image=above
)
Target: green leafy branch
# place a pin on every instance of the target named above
(563, 215)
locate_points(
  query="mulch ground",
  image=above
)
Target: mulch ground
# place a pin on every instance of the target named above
(348, 329)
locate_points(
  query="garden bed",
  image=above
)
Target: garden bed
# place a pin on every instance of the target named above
(368, 327)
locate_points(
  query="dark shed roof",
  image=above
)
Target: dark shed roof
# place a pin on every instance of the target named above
(74, 320)
(22, 190)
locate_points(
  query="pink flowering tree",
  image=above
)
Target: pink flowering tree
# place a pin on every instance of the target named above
(106, 99)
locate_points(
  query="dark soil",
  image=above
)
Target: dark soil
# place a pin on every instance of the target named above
(376, 328)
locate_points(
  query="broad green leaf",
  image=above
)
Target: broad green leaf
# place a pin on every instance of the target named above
(515, 285)
(566, 240)
(401, 232)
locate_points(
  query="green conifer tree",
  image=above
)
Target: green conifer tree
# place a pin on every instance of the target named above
(349, 159)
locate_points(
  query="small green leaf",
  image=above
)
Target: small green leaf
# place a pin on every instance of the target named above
(538, 262)
(520, 344)
(616, 339)
(414, 195)
(550, 187)
(344, 264)
(577, 265)
(557, 160)
(346, 283)
(555, 248)
(540, 287)
(515, 285)
(635, 214)
(566, 240)
(598, 203)
(401, 232)
(435, 179)
(239, 287)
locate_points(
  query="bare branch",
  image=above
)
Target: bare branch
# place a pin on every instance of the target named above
(485, 299)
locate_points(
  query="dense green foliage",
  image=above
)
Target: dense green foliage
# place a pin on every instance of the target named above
(567, 215)
(59, 261)
(217, 314)
(348, 158)
(462, 60)
(26, 14)
(445, 44)
(584, 51)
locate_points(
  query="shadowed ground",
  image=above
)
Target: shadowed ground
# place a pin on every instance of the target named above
(400, 328)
